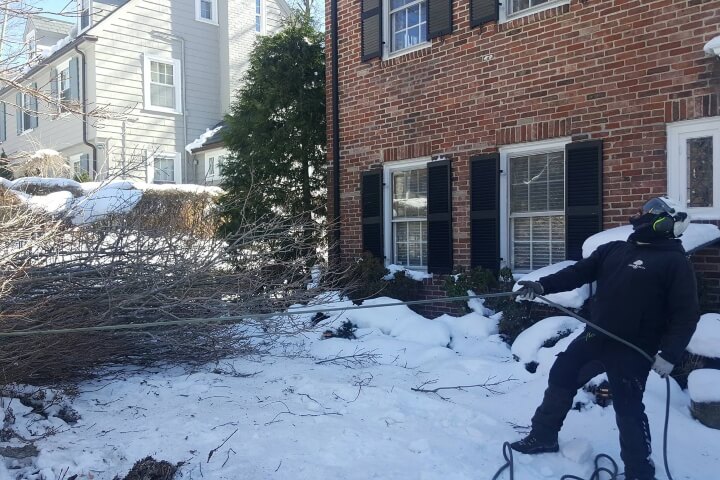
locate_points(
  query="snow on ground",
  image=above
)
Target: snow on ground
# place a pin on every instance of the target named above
(295, 418)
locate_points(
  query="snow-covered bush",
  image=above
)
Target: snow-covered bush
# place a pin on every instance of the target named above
(370, 279)
(43, 163)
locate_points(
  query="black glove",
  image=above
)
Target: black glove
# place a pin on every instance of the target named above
(529, 290)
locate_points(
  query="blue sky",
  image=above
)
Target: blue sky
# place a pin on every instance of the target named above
(55, 6)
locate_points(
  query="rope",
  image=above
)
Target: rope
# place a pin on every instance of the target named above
(237, 318)
(598, 468)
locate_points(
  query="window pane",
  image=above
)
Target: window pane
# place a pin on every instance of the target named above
(521, 256)
(700, 172)
(521, 229)
(206, 9)
(401, 232)
(410, 193)
(541, 228)
(162, 96)
(164, 170)
(407, 23)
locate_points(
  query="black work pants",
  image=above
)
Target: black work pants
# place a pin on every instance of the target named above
(587, 356)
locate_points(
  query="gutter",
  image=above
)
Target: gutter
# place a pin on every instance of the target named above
(84, 112)
(336, 130)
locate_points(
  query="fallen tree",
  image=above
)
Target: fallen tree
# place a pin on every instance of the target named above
(131, 269)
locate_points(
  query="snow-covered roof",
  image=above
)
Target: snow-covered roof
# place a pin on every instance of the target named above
(697, 235)
(212, 136)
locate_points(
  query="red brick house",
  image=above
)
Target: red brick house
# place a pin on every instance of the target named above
(475, 134)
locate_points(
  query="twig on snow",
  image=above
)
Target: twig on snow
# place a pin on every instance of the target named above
(220, 446)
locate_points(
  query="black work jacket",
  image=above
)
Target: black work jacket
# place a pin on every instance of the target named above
(646, 293)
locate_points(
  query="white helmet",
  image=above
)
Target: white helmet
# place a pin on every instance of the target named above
(666, 216)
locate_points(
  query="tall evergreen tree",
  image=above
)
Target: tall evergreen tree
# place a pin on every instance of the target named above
(276, 130)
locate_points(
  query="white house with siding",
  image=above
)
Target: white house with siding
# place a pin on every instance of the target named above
(150, 76)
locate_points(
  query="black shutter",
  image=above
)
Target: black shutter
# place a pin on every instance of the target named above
(34, 107)
(54, 89)
(372, 213)
(372, 44)
(3, 124)
(485, 212)
(583, 194)
(439, 217)
(484, 11)
(439, 15)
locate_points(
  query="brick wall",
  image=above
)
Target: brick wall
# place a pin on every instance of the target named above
(594, 69)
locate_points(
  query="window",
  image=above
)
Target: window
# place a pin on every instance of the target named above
(406, 24)
(214, 164)
(206, 11)
(81, 165)
(259, 16)
(694, 166)
(164, 169)
(26, 108)
(526, 7)
(407, 218)
(162, 85)
(64, 92)
(533, 204)
(84, 14)
(537, 203)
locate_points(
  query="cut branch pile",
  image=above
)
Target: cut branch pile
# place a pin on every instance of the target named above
(127, 270)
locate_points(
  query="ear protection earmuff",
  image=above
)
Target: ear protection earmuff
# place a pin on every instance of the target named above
(664, 224)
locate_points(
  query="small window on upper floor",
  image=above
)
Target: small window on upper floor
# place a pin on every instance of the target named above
(84, 14)
(406, 24)
(259, 16)
(163, 91)
(206, 11)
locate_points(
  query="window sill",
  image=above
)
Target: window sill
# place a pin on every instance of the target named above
(532, 14)
(406, 51)
(26, 132)
(709, 213)
(162, 110)
(205, 20)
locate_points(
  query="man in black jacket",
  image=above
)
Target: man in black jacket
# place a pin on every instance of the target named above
(646, 294)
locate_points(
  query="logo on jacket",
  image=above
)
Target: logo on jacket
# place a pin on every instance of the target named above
(637, 264)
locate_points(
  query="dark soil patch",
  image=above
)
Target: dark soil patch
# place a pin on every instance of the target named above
(150, 469)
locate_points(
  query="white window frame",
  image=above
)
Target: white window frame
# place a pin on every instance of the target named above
(60, 68)
(26, 113)
(677, 135)
(388, 170)
(198, 12)
(177, 167)
(544, 146)
(79, 15)
(215, 155)
(262, 16)
(177, 81)
(507, 16)
(387, 36)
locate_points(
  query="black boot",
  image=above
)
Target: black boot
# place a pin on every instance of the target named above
(534, 443)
